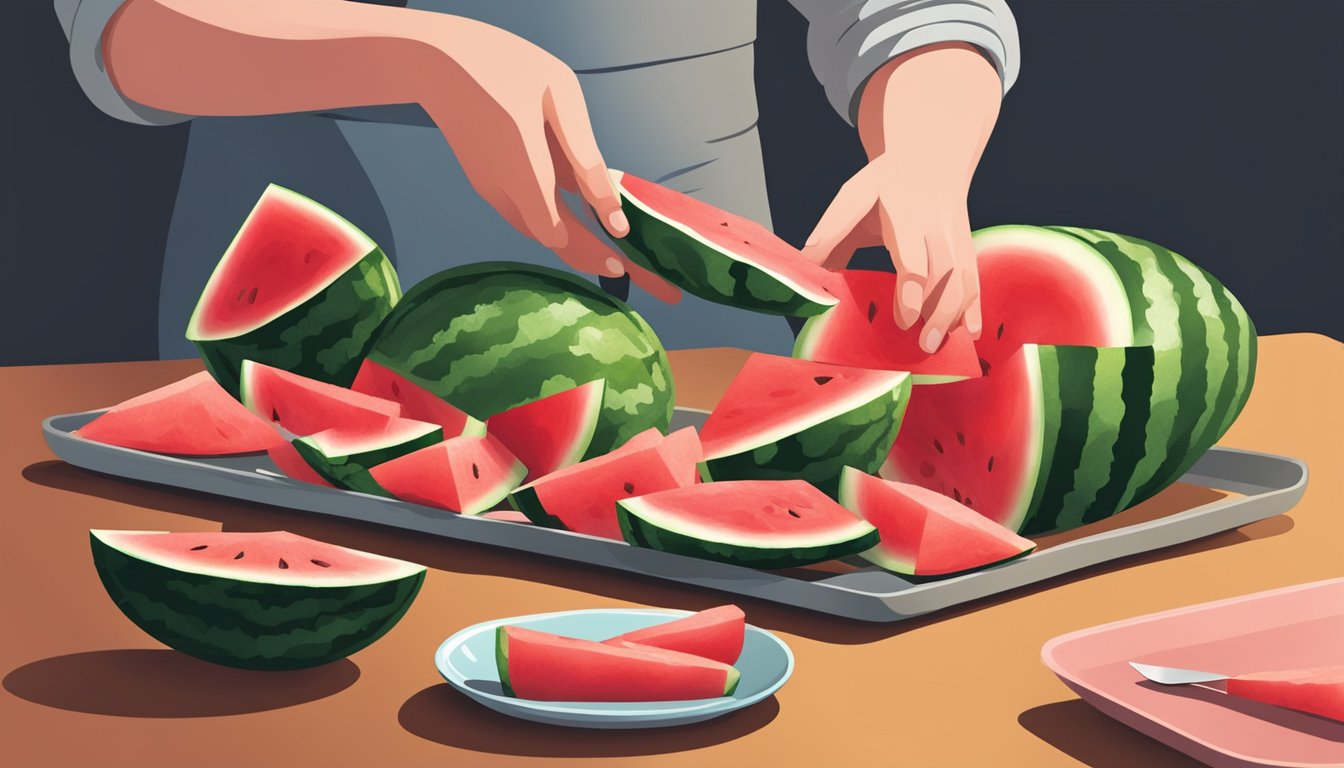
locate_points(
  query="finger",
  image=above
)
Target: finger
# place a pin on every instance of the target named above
(972, 317)
(534, 192)
(656, 286)
(947, 301)
(567, 117)
(827, 243)
(909, 257)
(586, 252)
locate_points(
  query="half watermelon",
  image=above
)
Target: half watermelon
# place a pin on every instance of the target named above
(299, 288)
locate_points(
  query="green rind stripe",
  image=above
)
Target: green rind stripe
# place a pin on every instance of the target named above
(1132, 280)
(1051, 415)
(1097, 459)
(1068, 397)
(861, 438)
(525, 500)
(1248, 351)
(247, 624)
(352, 472)
(1136, 393)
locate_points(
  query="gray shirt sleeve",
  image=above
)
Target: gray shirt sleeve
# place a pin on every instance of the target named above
(848, 40)
(83, 22)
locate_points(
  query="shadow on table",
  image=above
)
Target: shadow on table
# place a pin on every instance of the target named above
(147, 682)
(442, 715)
(463, 557)
(1078, 730)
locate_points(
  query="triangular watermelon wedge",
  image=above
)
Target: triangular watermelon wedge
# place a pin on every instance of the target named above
(553, 432)
(191, 417)
(925, 533)
(715, 633)
(343, 456)
(286, 458)
(306, 406)
(468, 474)
(416, 402)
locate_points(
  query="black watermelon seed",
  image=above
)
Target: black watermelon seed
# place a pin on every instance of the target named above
(999, 334)
(199, 548)
(926, 469)
(795, 514)
(724, 224)
(956, 494)
(967, 501)
(283, 564)
(238, 556)
(396, 389)
(320, 563)
(475, 471)
(872, 311)
(961, 438)
(252, 296)
(275, 415)
(984, 367)
(629, 487)
(822, 379)
(241, 293)
(991, 464)
(937, 446)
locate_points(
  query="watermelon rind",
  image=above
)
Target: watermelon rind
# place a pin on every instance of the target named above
(491, 336)
(502, 659)
(857, 431)
(681, 255)
(343, 457)
(267, 624)
(324, 336)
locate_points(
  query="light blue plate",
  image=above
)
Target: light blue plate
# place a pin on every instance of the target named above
(467, 661)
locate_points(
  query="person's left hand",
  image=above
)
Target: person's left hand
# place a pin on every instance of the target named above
(924, 119)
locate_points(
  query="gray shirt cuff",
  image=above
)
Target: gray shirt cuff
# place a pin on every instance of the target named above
(848, 41)
(84, 22)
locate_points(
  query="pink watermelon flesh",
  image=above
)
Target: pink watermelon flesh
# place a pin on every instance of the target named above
(736, 235)
(506, 515)
(282, 257)
(862, 331)
(923, 532)
(716, 633)
(415, 402)
(647, 439)
(274, 557)
(1319, 691)
(191, 417)
(682, 452)
(547, 667)
(293, 466)
(303, 406)
(468, 474)
(551, 433)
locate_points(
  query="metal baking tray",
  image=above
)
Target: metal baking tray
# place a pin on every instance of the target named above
(1252, 486)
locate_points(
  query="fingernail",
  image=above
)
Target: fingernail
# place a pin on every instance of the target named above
(812, 240)
(620, 225)
(615, 267)
(932, 339)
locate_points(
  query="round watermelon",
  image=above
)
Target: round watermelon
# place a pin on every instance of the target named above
(488, 337)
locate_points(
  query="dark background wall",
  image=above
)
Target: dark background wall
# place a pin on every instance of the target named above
(1215, 127)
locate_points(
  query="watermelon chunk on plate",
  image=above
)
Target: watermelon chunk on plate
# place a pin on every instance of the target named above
(1319, 691)
(539, 665)
(468, 474)
(715, 633)
(303, 406)
(286, 458)
(755, 523)
(925, 533)
(343, 456)
(191, 417)
(553, 432)
(415, 402)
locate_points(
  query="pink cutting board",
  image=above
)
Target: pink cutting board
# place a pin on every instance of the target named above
(1289, 628)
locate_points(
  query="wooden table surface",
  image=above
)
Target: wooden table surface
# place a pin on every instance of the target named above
(83, 686)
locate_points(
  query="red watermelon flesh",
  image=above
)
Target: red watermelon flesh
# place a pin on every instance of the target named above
(551, 433)
(415, 401)
(649, 438)
(716, 633)
(468, 474)
(1319, 691)
(191, 417)
(682, 451)
(287, 459)
(303, 406)
(862, 331)
(926, 533)
(547, 667)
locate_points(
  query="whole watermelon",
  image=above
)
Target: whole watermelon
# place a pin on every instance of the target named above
(487, 337)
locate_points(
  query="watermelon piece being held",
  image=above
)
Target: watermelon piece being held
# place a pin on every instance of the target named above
(415, 402)
(299, 288)
(191, 417)
(925, 533)
(254, 600)
(716, 255)
(715, 633)
(784, 419)
(468, 474)
(546, 667)
(754, 523)
(551, 433)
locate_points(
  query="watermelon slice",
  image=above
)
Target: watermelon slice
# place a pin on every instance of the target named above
(547, 667)
(716, 633)
(287, 459)
(861, 331)
(716, 255)
(303, 406)
(924, 533)
(343, 456)
(582, 498)
(756, 523)
(553, 432)
(191, 417)
(468, 474)
(299, 288)
(795, 419)
(256, 600)
(1319, 691)
(415, 402)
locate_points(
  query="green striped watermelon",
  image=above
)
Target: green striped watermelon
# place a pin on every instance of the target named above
(255, 600)
(488, 337)
(299, 288)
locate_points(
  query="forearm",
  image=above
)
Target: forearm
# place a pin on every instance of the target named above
(249, 57)
(934, 109)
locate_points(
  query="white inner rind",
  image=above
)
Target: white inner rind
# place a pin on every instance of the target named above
(1029, 475)
(361, 245)
(337, 442)
(818, 297)
(883, 382)
(669, 520)
(373, 569)
(596, 390)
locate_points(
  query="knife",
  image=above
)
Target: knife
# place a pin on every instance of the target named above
(1318, 691)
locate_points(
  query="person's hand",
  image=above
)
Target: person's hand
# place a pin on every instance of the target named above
(516, 119)
(924, 119)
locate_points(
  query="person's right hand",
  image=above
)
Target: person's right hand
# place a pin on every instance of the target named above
(516, 119)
